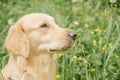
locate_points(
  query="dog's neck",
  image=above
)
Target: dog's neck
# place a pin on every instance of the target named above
(41, 63)
(39, 66)
(39, 57)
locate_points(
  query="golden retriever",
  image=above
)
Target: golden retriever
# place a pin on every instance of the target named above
(31, 43)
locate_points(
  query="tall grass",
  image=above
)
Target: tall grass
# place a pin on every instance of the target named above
(95, 54)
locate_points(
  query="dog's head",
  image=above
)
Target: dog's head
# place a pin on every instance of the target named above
(39, 32)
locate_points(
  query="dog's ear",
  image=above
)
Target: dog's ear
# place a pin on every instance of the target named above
(17, 42)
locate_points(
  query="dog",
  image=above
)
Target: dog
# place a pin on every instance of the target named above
(31, 43)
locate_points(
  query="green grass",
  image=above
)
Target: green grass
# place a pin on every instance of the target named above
(96, 53)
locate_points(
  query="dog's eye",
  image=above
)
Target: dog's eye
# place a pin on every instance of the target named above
(44, 25)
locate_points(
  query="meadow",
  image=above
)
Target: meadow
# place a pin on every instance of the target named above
(96, 52)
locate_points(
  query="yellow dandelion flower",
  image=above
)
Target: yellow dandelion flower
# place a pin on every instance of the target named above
(57, 76)
(74, 58)
(60, 54)
(94, 42)
(97, 30)
(110, 45)
(115, 5)
(104, 48)
(92, 32)
(92, 69)
(116, 56)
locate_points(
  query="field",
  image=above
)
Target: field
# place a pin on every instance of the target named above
(96, 52)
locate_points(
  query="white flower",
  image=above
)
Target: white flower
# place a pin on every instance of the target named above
(113, 1)
(76, 23)
(74, 1)
(85, 62)
(10, 21)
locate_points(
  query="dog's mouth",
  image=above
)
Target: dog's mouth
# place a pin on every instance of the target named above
(59, 50)
(63, 48)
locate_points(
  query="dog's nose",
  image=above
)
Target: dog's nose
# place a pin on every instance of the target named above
(72, 35)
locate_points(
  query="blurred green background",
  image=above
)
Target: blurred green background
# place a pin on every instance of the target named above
(96, 53)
